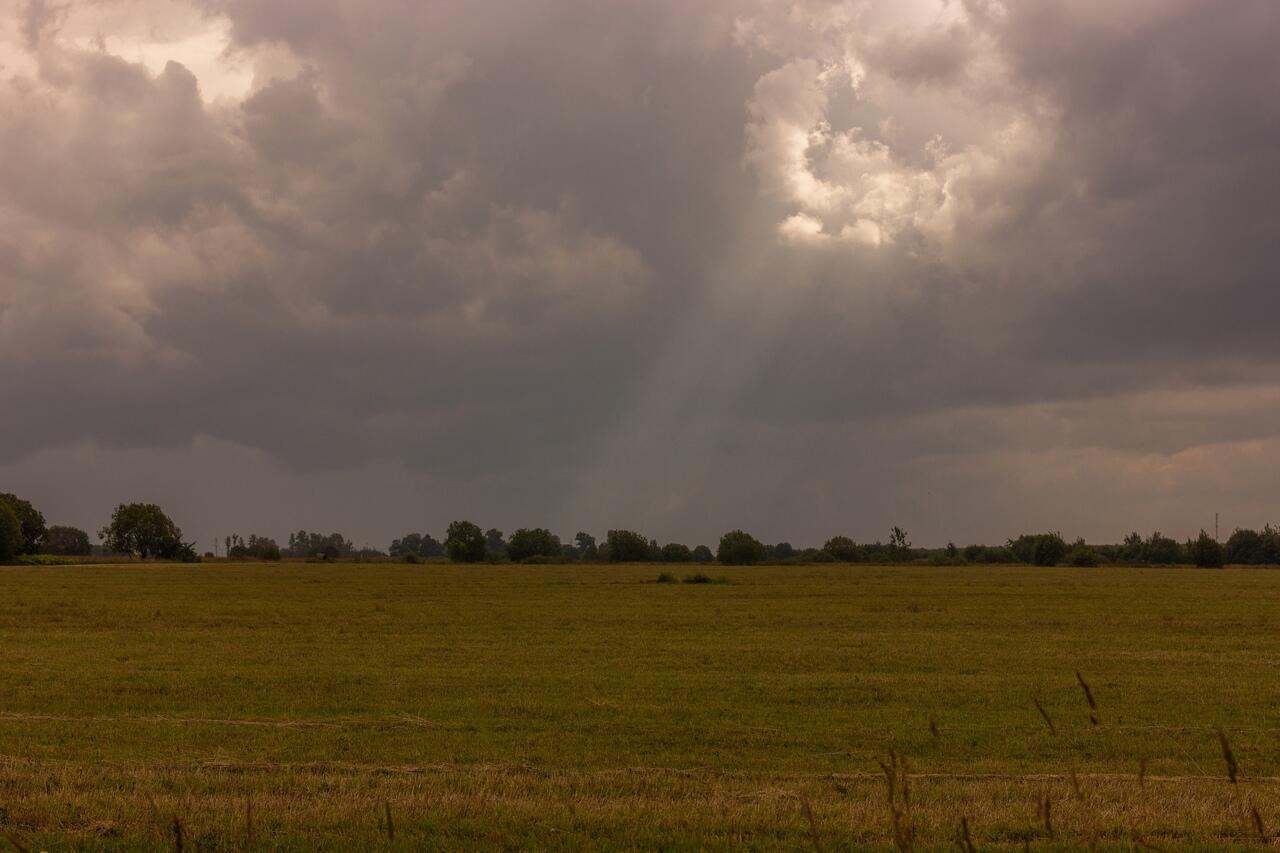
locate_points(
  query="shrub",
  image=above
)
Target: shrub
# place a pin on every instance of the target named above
(676, 553)
(739, 549)
(1205, 551)
(1082, 555)
(844, 549)
(666, 577)
(541, 560)
(698, 578)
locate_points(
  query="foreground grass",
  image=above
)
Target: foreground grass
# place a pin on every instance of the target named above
(295, 706)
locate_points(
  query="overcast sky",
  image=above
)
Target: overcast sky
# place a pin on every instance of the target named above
(805, 267)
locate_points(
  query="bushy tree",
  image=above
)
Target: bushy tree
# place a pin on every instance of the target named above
(318, 545)
(464, 542)
(527, 543)
(1039, 549)
(66, 541)
(738, 548)
(416, 545)
(1205, 551)
(144, 529)
(11, 540)
(495, 545)
(626, 546)
(1160, 550)
(29, 519)
(1082, 555)
(674, 552)
(586, 545)
(844, 549)
(1131, 550)
(702, 554)
(1251, 548)
(784, 551)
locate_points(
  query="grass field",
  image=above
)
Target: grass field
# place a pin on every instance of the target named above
(297, 706)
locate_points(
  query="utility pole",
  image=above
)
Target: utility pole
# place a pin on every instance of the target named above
(1215, 527)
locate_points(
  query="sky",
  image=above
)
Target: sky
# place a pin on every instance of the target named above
(802, 267)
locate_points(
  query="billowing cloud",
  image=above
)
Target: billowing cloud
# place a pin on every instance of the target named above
(802, 265)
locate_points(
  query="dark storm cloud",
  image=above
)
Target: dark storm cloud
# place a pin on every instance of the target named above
(681, 265)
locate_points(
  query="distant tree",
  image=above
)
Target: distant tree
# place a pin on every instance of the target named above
(264, 548)
(1205, 551)
(254, 548)
(952, 551)
(586, 545)
(30, 520)
(1247, 547)
(1160, 550)
(844, 549)
(1039, 549)
(66, 541)
(738, 548)
(145, 530)
(702, 554)
(1082, 555)
(11, 541)
(674, 552)
(654, 551)
(1131, 551)
(318, 545)
(495, 545)
(784, 551)
(464, 542)
(533, 542)
(899, 547)
(416, 545)
(409, 545)
(626, 546)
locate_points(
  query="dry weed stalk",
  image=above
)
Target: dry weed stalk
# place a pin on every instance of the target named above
(1258, 826)
(813, 824)
(895, 772)
(965, 840)
(1045, 813)
(1228, 756)
(1088, 695)
(1048, 720)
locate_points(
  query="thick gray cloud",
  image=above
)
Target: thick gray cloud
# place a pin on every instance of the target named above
(806, 267)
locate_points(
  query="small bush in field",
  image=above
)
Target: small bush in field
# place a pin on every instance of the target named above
(666, 577)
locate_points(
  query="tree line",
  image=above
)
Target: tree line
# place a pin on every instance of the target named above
(145, 531)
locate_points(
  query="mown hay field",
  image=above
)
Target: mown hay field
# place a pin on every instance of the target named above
(298, 706)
